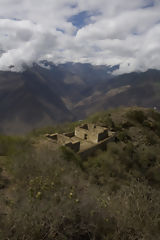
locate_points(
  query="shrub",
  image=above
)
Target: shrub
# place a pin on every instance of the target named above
(53, 194)
(10, 145)
(136, 115)
(123, 136)
(102, 118)
(61, 128)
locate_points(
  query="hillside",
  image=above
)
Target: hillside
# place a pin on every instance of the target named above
(111, 195)
(27, 102)
(133, 89)
(48, 94)
(41, 96)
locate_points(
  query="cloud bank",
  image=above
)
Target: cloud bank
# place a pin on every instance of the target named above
(99, 32)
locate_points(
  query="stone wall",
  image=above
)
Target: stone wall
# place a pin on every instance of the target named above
(53, 136)
(100, 146)
(97, 137)
(75, 146)
(81, 133)
(92, 137)
(62, 139)
(65, 140)
(70, 134)
(91, 133)
(103, 135)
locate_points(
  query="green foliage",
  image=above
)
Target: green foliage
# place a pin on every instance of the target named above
(70, 155)
(102, 118)
(151, 138)
(156, 128)
(123, 136)
(61, 128)
(106, 168)
(155, 115)
(136, 115)
(10, 145)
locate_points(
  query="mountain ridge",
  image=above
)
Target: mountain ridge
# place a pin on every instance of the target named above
(44, 96)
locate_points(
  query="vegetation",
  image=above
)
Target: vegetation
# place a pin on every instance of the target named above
(67, 127)
(48, 193)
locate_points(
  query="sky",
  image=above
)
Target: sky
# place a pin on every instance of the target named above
(100, 32)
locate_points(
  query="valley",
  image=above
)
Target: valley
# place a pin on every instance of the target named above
(50, 94)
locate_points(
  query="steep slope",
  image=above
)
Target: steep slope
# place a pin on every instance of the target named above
(27, 102)
(43, 95)
(47, 94)
(140, 89)
(111, 195)
(74, 81)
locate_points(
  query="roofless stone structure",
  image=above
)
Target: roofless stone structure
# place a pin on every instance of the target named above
(91, 132)
(85, 140)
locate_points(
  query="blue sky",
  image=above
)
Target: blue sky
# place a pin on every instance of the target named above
(79, 20)
(82, 18)
(149, 4)
(99, 32)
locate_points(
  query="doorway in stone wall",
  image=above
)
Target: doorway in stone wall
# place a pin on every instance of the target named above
(85, 136)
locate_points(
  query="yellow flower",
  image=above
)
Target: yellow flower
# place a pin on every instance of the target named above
(38, 195)
(71, 194)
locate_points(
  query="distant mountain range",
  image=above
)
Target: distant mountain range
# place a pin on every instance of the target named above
(133, 89)
(46, 94)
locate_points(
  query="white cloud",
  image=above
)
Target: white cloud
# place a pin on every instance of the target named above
(119, 32)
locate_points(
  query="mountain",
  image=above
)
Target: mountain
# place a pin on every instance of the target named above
(43, 95)
(133, 89)
(26, 101)
(74, 81)
(46, 94)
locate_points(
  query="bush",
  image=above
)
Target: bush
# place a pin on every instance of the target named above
(136, 115)
(103, 118)
(53, 194)
(10, 145)
(61, 128)
(123, 136)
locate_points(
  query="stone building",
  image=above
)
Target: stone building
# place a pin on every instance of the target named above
(85, 140)
(66, 139)
(91, 132)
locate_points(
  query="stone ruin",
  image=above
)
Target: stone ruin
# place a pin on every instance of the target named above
(66, 139)
(91, 133)
(85, 140)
